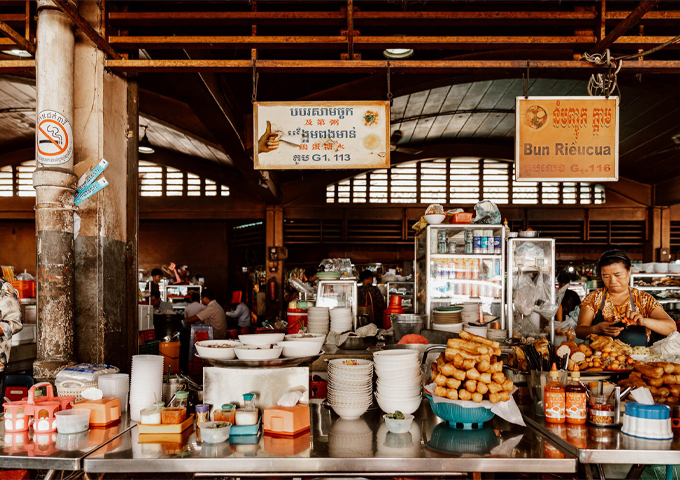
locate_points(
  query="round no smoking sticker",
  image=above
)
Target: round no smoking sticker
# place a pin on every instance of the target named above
(54, 138)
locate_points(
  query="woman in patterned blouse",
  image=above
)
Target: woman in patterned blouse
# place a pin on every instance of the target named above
(10, 323)
(617, 310)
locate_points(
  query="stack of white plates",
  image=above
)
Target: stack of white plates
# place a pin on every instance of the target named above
(447, 315)
(399, 380)
(350, 386)
(479, 331)
(448, 327)
(341, 320)
(317, 320)
(146, 383)
(497, 334)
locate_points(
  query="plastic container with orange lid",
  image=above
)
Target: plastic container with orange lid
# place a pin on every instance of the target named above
(102, 412)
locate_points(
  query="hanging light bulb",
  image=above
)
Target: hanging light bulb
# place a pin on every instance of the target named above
(145, 145)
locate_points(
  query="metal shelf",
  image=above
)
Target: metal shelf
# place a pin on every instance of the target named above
(466, 255)
(633, 275)
(640, 287)
(665, 301)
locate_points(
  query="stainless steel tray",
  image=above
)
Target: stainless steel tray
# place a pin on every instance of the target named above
(278, 362)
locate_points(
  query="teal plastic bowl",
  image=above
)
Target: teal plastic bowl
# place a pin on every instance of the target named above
(461, 417)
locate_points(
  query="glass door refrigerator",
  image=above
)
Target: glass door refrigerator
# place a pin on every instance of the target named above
(529, 258)
(454, 264)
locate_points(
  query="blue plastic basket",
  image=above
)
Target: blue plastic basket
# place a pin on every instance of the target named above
(461, 417)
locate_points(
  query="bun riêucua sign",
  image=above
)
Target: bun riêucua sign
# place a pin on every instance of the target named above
(567, 139)
(321, 135)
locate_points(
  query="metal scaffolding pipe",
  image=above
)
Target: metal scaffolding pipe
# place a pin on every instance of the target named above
(55, 184)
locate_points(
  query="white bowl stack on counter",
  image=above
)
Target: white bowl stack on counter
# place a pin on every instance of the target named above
(341, 320)
(350, 386)
(317, 320)
(399, 380)
(475, 330)
(470, 312)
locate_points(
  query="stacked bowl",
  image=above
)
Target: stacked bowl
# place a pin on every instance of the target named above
(341, 320)
(317, 320)
(448, 319)
(350, 386)
(399, 380)
(146, 383)
(476, 330)
(470, 312)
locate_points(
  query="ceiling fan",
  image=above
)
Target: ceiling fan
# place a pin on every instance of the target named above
(394, 140)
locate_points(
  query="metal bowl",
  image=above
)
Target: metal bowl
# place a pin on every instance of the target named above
(357, 343)
(406, 324)
(529, 234)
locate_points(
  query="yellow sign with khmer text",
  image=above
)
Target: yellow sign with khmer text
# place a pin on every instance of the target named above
(567, 139)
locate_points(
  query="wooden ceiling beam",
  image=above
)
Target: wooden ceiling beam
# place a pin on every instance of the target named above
(19, 40)
(630, 21)
(86, 28)
(373, 66)
(338, 18)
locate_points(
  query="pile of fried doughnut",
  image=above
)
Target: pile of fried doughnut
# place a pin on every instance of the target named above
(661, 378)
(470, 369)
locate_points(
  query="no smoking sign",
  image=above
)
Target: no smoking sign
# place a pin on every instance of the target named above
(54, 138)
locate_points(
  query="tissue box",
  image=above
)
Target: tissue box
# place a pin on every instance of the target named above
(286, 420)
(102, 412)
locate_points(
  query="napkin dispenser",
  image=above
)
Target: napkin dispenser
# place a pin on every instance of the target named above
(286, 420)
(102, 412)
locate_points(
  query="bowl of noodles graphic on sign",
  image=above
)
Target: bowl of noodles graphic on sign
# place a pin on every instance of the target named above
(535, 117)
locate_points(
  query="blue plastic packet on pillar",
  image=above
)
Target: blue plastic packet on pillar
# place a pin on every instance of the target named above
(91, 190)
(96, 171)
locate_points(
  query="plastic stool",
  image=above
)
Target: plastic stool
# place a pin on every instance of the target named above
(199, 332)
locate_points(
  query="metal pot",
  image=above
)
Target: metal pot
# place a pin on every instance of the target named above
(357, 343)
(529, 234)
(406, 324)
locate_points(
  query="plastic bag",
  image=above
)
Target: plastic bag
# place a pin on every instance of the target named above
(532, 298)
(487, 213)
(85, 372)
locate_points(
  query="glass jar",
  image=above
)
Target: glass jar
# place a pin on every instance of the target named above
(600, 412)
(202, 413)
(248, 414)
(225, 414)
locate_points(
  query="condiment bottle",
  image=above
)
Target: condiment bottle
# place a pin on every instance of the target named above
(575, 401)
(247, 415)
(553, 398)
(202, 413)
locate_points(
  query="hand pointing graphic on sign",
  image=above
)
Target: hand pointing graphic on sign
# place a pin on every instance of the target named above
(268, 141)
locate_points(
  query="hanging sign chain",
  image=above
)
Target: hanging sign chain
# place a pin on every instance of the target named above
(525, 81)
(389, 89)
(256, 78)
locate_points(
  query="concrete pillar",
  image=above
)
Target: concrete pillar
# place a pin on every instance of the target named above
(54, 182)
(105, 118)
(274, 226)
(658, 245)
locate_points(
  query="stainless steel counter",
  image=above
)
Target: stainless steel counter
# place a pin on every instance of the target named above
(606, 445)
(341, 447)
(54, 451)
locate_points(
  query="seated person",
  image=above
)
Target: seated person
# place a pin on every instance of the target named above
(212, 315)
(159, 306)
(195, 306)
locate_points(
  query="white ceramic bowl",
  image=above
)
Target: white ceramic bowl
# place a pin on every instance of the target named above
(646, 267)
(406, 391)
(261, 338)
(214, 435)
(479, 331)
(674, 267)
(405, 372)
(306, 337)
(73, 420)
(225, 351)
(398, 426)
(258, 352)
(349, 412)
(404, 406)
(434, 219)
(296, 348)
(395, 356)
(397, 397)
(350, 400)
(401, 382)
(661, 267)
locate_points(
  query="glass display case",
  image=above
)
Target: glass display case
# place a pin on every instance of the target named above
(458, 263)
(337, 293)
(665, 287)
(403, 289)
(531, 257)
(178, 295)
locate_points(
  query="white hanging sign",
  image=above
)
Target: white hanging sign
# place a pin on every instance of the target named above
(54, 138)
